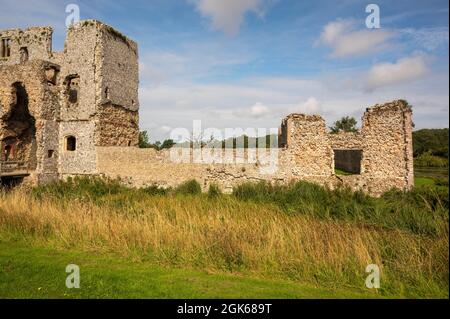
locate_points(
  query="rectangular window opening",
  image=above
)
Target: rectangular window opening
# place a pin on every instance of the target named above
(5, 49)
(347, 162)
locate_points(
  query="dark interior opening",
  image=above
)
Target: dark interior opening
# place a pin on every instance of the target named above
(19, 140)
(5, 48)
(9, 153)
(23, 54)
(347, 162)
(72, 83)
(71, 143)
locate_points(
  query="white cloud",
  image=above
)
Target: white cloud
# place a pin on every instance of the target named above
(263, 102)
(404, 70)
(311, 106)
(228, 15)
(257, 111)
(345, 41)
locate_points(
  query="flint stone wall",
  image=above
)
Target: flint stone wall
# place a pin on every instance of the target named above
(90, 91)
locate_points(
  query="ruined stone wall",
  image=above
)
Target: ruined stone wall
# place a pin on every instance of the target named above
(117, 126)
(146, 167)
(346, 140)
(105, 64)
(119, 69)
(93, 84)
(117, 111)
(386, 143)
(79, 61)
(89, 91)
(36, 40)
(42, 107)
(308, 145)
(82, 160)
(387, 157)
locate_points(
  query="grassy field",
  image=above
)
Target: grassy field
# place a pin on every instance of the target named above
(263, 241)
(37, 272)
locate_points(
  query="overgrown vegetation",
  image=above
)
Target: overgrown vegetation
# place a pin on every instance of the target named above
(427, 159)
(434, 141)
(300, 232)
(423, 210)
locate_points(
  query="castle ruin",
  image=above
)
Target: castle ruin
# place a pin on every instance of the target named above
(75, 112)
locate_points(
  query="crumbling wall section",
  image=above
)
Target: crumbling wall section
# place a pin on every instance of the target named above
(79, 72)
(119, 69)
(32, 43)
(346, 140)
(146, 167)
(308, 146)
(81, 160)
(117, 126)
(41, 121)
(387, 157)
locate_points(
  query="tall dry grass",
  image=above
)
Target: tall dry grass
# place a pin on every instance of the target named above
(232, 235)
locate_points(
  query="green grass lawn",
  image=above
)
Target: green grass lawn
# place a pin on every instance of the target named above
(39, 272)
(421, 181)
(338, 171)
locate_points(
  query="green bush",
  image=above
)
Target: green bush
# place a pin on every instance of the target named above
(82, 187)
(428, 160)
(214, 191)
(191, 187)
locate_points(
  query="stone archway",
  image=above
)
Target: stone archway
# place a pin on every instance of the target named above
(18, 129)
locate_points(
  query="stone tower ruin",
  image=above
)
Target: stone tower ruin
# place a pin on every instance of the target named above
(56, 107)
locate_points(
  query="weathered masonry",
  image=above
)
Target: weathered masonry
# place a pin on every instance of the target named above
(57, 107)
(75, 112)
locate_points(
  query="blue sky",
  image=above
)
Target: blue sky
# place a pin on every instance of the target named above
(248, 63)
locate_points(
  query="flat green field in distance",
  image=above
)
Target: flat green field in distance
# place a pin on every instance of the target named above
(262, 241)
(432, 176)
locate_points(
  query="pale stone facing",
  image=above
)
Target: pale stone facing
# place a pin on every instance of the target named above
(75, 112)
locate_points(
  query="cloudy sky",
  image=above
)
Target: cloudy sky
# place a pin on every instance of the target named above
(248, 63)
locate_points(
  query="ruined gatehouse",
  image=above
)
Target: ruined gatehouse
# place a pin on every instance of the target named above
(75, 112)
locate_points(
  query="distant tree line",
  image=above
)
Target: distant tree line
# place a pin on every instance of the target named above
(434, 141)
(144, 142)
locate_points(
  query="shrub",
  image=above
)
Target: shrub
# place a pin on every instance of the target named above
(214, 191)
(155, 190)
(428, 160)
(191, 187)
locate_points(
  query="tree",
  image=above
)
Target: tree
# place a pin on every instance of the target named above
(144, 140)
(168, 144)
(434, 141)
(345, 124)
